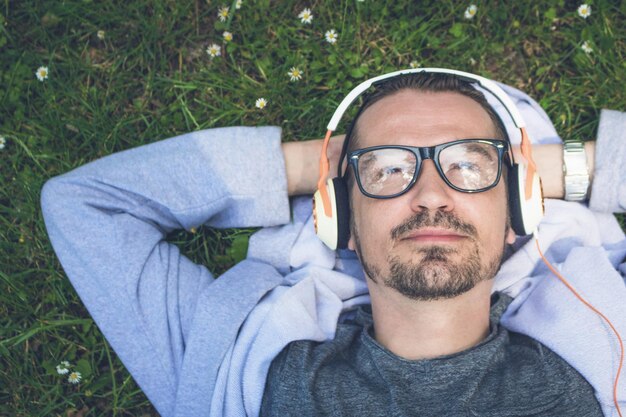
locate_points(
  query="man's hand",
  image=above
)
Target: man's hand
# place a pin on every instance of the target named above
(302, 163)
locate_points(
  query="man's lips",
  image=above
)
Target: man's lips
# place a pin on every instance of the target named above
(432, 235)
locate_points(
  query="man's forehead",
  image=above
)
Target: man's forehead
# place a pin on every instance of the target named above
(425, 116)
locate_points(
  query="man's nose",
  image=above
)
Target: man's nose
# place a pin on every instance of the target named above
(430, 192)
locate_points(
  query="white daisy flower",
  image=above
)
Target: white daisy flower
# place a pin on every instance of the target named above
(470, 12)
(222, 13)
(414, 64)
(260, 103)
(584, 10)
(294, 74)
(227, 36)
(101, 34)
(586, 47)
(331, 36)
(306, 16)
(63, 367)
(238, 4)
(214, 50)
(42, 73)
(74, 377)
(3, 142)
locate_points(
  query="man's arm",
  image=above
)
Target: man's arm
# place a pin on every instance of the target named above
(107, 222)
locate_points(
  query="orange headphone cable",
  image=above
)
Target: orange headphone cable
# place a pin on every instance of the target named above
(595, 310)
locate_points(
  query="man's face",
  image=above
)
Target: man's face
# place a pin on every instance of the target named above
(431, 242)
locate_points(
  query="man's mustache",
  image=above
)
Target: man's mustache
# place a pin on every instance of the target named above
(443, 219)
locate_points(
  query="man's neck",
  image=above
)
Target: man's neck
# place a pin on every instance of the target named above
(428, 329)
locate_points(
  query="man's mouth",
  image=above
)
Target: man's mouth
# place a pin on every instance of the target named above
(431, 235)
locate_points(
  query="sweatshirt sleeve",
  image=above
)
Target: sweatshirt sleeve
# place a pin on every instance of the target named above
(608, 191)
(107, 221)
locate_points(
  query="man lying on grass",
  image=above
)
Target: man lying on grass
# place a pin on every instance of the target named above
(434, 308)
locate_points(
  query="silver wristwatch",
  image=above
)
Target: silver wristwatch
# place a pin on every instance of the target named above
(575, 171)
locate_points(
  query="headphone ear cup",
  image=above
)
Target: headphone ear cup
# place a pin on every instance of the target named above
(343, 212)
(333, 230)
(515, 203)
(525, 214)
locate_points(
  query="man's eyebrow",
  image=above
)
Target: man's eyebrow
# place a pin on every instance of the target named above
(368, 158)
(478, 148)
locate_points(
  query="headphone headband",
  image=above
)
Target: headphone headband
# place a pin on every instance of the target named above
(332, 223)
(488, 85)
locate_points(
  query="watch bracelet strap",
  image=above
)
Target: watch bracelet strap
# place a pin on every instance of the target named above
(575, 171)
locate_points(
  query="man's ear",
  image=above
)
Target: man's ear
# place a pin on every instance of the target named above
(351, 244)
(510, 235)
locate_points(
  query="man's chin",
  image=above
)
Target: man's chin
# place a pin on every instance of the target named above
(433, 294)
(437, 275)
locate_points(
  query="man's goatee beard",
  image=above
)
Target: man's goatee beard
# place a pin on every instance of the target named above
(435, 276)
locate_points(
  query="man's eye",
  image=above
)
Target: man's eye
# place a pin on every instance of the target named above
(384, 173)
(392, 170)
(464, 166)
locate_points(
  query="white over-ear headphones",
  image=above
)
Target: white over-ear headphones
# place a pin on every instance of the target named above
(330, 202)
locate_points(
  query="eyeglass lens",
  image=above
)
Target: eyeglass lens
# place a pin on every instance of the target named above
(468, 166)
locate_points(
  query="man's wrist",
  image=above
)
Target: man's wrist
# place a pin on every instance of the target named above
(302, 160)
(301, 166)
(549, 161)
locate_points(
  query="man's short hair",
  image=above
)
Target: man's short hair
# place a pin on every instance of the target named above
(421, 81)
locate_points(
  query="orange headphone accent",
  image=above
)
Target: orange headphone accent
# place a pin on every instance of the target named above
(531, 169)
(324, 169)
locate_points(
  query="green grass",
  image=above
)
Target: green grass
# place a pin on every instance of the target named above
(150, 78)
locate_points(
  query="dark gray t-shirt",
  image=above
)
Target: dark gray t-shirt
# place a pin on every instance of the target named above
(508, 374)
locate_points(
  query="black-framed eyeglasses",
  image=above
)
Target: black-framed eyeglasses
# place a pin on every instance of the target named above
(466, 165)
